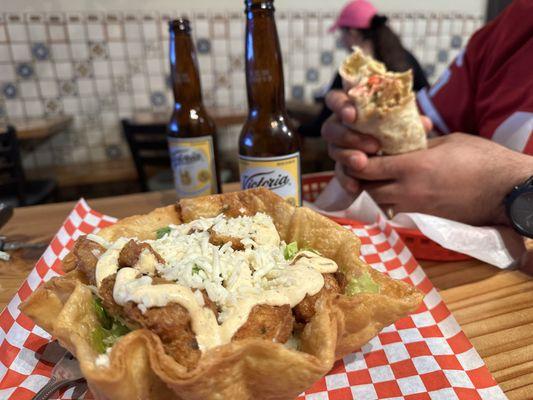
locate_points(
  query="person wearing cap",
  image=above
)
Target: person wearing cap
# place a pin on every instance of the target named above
(361, 25)
(482, 108)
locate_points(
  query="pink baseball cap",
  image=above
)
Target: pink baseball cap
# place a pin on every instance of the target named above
(356, 14)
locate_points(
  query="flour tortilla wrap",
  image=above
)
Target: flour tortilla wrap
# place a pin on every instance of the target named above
(385, 103)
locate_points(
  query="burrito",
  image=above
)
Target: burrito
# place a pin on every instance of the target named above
(385, 103)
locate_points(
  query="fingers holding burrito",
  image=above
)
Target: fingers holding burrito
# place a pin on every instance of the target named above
(335, 131)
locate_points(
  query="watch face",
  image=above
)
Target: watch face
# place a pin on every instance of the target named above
(521, 212)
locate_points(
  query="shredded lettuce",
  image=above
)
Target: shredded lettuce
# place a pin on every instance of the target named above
(162, 232)
(110, 329)
(290, 250)
(195, 269)
(363, 284)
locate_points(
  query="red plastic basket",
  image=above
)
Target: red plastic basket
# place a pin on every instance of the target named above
(421, 247)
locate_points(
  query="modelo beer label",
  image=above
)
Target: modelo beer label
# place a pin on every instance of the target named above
(193, 165)
(279, 174)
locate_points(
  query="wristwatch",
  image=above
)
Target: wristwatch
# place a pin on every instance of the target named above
(519, 208)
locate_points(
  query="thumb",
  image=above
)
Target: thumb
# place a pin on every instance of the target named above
(341, 105)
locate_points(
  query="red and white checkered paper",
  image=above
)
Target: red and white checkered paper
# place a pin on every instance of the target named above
(423, 356)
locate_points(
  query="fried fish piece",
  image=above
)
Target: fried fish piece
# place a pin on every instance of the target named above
(84, 257)
(131, 252)
(267, 322)
(172, 323)
(219, 239)
(305, 310)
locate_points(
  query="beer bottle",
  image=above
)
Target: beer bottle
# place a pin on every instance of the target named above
(269, 149)
(192, 138)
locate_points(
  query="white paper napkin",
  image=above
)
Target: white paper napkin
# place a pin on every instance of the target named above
(499, 246)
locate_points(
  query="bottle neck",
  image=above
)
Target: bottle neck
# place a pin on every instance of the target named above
(264, 71)
(184, 71)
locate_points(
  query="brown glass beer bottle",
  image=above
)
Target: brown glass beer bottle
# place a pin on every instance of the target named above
(192, 138)
(269, 150)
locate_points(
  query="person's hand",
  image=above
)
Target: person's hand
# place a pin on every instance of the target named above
(346, 146)
(460, 177)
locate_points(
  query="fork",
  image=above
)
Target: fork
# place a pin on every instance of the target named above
(65, 373)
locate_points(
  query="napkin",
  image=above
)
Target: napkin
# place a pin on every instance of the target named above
(499, 246)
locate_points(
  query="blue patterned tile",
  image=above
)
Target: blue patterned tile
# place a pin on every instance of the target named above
(443, 55)
(113, 152)
(203, 46)
(429, 69)
(40, 51)
(456, 42)
(339, 44)
(326, 58)
(9, 90)
(311, 75)
(158, 99)
(297, 92)
(25, 70)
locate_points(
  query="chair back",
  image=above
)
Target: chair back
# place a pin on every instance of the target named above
(148, 146)
(12, 178)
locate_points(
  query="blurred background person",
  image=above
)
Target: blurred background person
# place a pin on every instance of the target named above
(360, 25)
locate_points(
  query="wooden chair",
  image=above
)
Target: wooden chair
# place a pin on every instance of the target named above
(149, 150)
(15, 190)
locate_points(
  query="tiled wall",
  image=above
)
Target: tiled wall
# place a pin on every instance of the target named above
(102, 67)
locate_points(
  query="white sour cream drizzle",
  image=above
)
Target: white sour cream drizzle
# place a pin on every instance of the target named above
(235, 280)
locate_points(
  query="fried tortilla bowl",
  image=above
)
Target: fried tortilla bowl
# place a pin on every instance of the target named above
(252, 368)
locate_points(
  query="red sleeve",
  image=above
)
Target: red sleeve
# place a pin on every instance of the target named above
(487, 89)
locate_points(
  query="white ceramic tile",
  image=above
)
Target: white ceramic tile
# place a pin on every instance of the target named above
(79, 51)
(134, 49)
(103, 86)
(85, 86)
(219, 28)
(60, 51)
(71, 105)
(149, 30)
(221, 64)
(114, 31)
(95, 32)
(48, 88)
(5, 54)
(117, 50)
(3, 36)
(14, 108)
(201, 28)
(44, 69)
(37, 32)
(28, 89)
(124, 102)
(141, 100)
(20, 51)
(97, 154)
(132, 31)
(76, 32)
(119, 67)
(57, 33)
(101, 68)
(138, 83)
(17, 32)
(157, 83)
(34, 108)
(153, 66)
(64, 70)
(236, 29)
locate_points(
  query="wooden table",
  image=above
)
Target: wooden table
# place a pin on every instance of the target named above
(494, 307)
(222, 117)
(31, 131)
